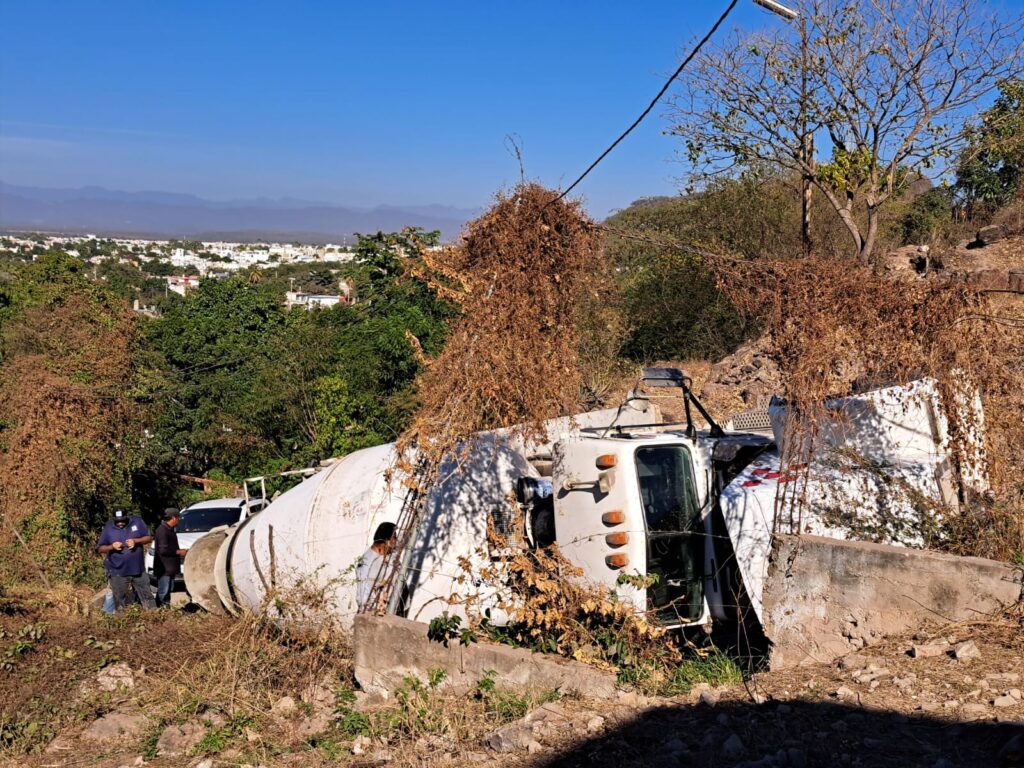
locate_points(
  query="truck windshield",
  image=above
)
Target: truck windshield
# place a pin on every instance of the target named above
(206, 518)
(666, 488)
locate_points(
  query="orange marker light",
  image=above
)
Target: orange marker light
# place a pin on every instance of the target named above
(616, 561)
(617, 539)
(607, 461)
(615, 517)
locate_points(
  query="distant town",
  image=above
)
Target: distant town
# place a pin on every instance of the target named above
(190, 256)
(178, 265)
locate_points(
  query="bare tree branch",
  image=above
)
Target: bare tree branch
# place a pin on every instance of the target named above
(893, 84)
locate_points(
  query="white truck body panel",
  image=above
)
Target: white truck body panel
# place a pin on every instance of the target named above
(662, 489)
(314, 534)
(878, 472)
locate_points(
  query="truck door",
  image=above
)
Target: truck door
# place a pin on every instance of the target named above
(675, 540)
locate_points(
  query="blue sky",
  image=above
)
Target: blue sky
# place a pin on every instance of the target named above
(352, 103)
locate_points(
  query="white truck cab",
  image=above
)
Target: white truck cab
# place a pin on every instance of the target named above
(680, 521)
(634, 509)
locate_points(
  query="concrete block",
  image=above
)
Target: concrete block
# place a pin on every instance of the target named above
(825, 598)
(388, 649)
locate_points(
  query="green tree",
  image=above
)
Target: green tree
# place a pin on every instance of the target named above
(991, 166)
(210, 344)
(926, 218)
(248, 386)
(672, 304)
(346, 423)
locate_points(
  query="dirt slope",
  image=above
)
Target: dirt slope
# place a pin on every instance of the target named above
(197, 690)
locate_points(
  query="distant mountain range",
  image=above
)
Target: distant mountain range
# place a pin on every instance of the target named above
(164, 214)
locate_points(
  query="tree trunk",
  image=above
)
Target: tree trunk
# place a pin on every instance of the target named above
(845, 213)
(868, 244)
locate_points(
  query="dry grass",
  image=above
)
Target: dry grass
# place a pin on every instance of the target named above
(512, 358)
(228, 674)
(186, 665)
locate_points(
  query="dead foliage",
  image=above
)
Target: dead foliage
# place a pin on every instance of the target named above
(536, 338)
(1011, 217)
(512, 357)
(68, 425)
(552, 609)
(837, 328)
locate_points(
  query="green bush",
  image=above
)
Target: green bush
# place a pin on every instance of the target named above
(927, 218)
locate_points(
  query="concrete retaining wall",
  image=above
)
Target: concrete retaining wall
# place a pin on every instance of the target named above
(825, 598)
(388, 648)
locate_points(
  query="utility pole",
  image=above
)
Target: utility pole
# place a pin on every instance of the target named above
(806, 137)
(806, 145)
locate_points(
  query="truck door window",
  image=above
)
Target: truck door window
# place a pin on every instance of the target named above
(666, 488)
(675, 542)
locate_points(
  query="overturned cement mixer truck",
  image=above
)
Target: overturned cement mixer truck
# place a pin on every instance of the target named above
(690, 511)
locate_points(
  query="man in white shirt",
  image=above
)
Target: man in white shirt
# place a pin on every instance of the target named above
(372, 561)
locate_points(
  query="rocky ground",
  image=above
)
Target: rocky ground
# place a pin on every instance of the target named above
(947, 699)
(180, 689)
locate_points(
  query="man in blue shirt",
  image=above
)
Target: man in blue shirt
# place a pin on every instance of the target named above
(123, 540)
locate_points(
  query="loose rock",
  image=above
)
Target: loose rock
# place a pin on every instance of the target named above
(360, 744)
(285, 707)
(676, 747)
(115, 676)
(710, 698)
(1003, 677)
(116, 727)
(990, 234)
(974, 711)
(510, 738)
(180, 739)
(929, 650)
(733, 746)
(966, 651)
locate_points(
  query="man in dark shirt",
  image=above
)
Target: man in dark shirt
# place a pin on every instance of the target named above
(167, 560)
(123, 540)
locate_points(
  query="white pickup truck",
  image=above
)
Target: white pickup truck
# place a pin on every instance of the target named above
(202, 517)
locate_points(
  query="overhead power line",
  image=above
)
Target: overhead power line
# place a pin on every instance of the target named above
(650, 106)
